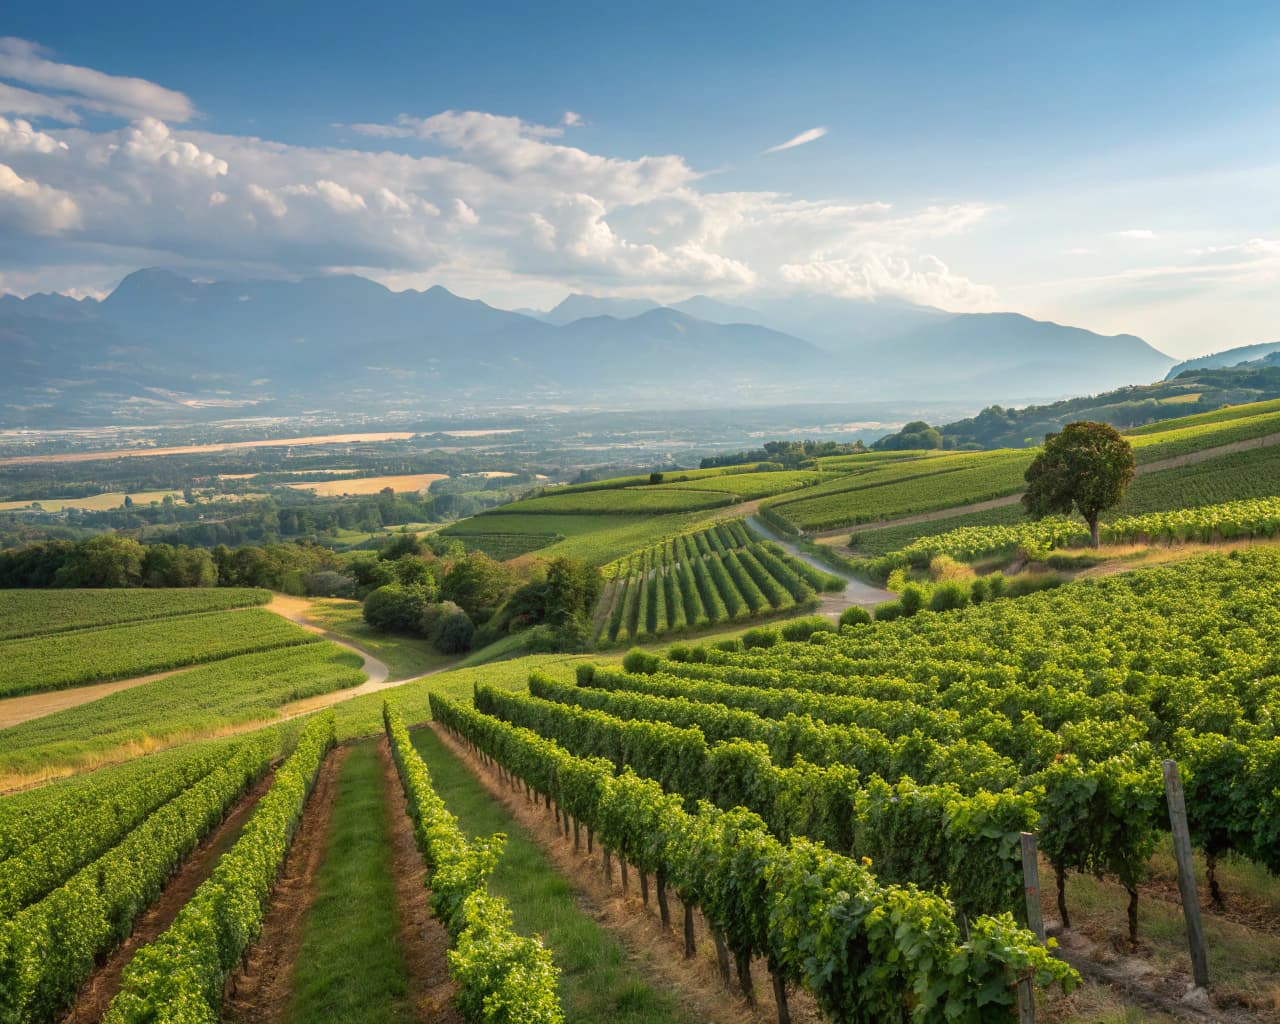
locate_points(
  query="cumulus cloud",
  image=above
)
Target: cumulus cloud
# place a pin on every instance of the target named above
(34, 207)
(458, 196)
(805, 137)
(25, 62)
(18, 135)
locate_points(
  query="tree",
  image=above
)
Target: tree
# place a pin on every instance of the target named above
(479, 584)
(396, 608)
(1086, 467)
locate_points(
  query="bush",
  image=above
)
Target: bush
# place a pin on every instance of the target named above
(328, 583)
(733, 645)
(396, 608)
(854, 615)
(888, 611)
(759, 637)
(802, 629)
(1031, 583)
(996, 585)
(952, 594)
(639, 662)
(979, 590)
(453, 633)
(911, 600)
(687, 653)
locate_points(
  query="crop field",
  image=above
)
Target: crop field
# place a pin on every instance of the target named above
(923, 747)
(50, 662)
(197, 701)
(1253, 473)
(997, 475)
(371, 484)
(1181, 440)
(696, 580)
(28, 612)
(748, 486)
(504, 546)
(1224, 415)
(624, 501)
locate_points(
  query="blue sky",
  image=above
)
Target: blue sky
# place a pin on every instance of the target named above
(1112, 166)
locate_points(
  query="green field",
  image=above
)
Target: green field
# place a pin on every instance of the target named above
(33, 664)
(194, 702)
(28, 612)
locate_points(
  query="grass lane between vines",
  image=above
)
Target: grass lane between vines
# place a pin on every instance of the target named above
(597, 982)
(350, 967)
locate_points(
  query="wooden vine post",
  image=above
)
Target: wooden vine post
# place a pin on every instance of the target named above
(1186, 873)
(1035, 921)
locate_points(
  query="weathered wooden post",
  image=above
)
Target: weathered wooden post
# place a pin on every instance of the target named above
(1031, 885)
(1186, 873)
(1035, 921)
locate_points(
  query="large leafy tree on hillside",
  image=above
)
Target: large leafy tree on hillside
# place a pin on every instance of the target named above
(1086, 467)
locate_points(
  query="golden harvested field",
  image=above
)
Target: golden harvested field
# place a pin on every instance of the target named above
(196, 449)
(110, 500)
(372, 484)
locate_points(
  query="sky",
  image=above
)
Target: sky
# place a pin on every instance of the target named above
(1112, 166)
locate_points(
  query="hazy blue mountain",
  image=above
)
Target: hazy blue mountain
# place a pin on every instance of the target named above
(1227, 357)
(578, 307)
(162, 341)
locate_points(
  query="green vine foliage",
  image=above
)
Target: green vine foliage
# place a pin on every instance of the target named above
(503, 977)
(867, 951)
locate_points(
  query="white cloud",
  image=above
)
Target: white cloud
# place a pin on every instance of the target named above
(18, 135)
(805, 137)
(33, 207)
(23, 61)
(33, 104)
(572, 119)
(460, 196)
(151, 141)
(1135, 234)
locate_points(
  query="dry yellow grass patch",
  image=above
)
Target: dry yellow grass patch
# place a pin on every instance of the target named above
(372, 484)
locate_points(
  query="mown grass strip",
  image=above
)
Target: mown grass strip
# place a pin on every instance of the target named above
(351, 968)
(597, 982)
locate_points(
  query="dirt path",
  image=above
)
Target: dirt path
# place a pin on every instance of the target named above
(295, 610)
(694, 983)
(423, 940)
(16, 710)
(259, 990)
(102, 986)
(1175, 462)
(856, 591)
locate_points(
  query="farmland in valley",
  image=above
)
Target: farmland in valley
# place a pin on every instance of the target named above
(775, 786)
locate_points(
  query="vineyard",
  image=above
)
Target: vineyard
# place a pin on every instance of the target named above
(696, 580)
(29, 612)
(917, 752)
(1258, 517)
(71, 658)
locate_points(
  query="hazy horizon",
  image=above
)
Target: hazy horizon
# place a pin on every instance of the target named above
(1092, 167)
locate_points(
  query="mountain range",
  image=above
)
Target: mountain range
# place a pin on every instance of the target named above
(161, 344)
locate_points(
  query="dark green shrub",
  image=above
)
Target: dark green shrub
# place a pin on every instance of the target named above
(888, 611)
(911, 599)
(453, 633)
(396, 608)
(733, 645)
(759, 637)
(952, 594)
(640, 662)
(802, 629)
(854, 615)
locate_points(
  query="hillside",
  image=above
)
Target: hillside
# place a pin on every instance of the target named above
(163, 345)
(1225, 358)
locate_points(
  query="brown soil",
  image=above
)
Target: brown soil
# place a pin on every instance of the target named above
(423, 939)
(15, 710)
(259, 991)
(102, 986)
(695, 983)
